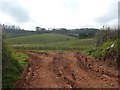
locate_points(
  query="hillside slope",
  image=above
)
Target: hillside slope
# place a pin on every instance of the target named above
(50, 42)
(39, 38)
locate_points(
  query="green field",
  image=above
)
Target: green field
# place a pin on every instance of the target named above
(50, 42)
(39, 38)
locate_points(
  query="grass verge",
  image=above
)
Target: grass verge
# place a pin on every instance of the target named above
(13, 65)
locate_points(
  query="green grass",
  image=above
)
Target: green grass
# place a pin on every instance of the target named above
(22, 59)
(39, 38)
(78, 43)
(48, 42)
(51, 42)
(13, 65)
(13, 70)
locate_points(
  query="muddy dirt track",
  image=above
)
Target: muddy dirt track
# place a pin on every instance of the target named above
(66, 70)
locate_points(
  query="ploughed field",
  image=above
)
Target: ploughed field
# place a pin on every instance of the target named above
(66, 70)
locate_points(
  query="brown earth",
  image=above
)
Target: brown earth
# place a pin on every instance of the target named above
(66, 70)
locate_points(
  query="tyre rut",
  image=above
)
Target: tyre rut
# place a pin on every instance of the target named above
(66, 70)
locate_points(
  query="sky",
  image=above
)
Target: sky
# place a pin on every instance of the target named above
(68, 14)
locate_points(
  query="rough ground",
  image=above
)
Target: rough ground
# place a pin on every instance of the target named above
(66, 70)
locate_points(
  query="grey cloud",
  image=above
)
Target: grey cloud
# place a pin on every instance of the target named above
(16, 11)
(110, 15)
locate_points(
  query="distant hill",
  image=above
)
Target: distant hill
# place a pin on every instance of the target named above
(39, 38)
(13, 33)
(81, 33)
(84, 32)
